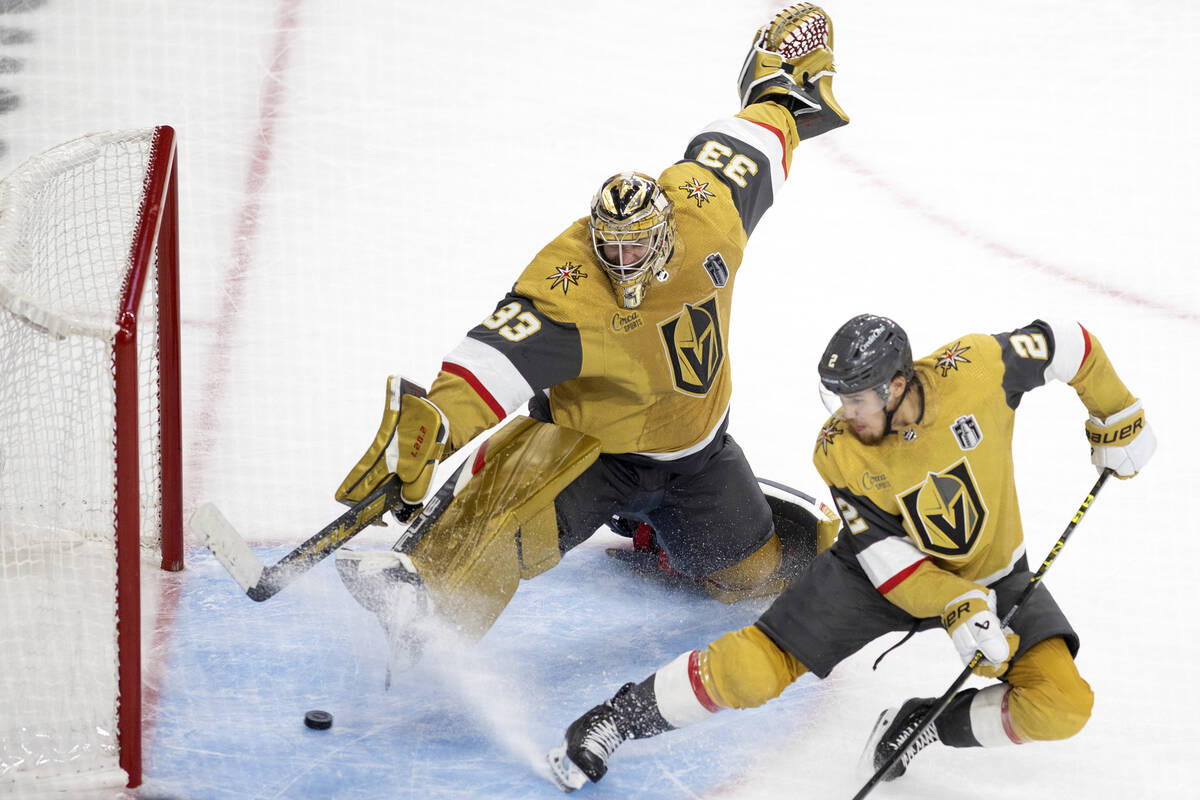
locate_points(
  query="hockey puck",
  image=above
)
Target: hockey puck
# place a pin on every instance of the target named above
(318, 720)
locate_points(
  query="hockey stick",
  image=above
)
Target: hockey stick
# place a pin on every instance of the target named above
(945, 699)
(260, 581)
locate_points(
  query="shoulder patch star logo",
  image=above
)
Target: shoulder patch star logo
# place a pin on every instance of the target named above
(567, 275)
(698, 191)
(951, 358)
(827, 434)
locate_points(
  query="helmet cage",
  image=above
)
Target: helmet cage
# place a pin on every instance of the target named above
(632, 211)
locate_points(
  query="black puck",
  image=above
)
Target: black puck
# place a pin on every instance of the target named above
(318, 720)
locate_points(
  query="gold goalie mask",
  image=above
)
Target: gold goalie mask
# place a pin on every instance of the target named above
(633, 233)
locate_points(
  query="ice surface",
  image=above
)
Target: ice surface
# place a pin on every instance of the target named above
(362, 181)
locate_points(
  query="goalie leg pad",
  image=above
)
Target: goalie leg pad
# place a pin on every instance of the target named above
(805, 525)
(537, 542)
(753, 576)
(500, 527)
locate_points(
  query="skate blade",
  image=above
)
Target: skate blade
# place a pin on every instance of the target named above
(866, 761)
(566, 775)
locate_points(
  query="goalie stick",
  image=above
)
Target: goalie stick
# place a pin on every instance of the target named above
(261, 582)
(944, 701)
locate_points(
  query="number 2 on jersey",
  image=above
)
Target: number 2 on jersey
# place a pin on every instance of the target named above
(1028, 345)
(850, 516)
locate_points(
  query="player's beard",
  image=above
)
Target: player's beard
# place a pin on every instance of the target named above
(871, 436)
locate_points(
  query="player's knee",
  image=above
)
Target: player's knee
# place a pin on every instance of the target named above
(1050, 700)
(746, 669)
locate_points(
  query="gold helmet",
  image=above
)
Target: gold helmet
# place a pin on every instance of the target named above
(633, 233)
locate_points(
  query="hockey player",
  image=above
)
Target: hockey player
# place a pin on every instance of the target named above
(616, 334)
(918, 459)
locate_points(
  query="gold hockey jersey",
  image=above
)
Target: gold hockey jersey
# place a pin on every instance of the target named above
(933, 508)
(652, 380)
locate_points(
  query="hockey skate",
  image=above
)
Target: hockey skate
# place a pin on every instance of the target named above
(589, 742)
(892, 731)
(387, 584)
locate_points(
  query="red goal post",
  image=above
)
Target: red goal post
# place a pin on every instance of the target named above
(90, 448)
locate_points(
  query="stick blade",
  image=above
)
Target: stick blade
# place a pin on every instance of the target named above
(228, 546)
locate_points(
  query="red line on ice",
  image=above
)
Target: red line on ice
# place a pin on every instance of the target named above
(1000, 248)
(224, 330)
(238, 270)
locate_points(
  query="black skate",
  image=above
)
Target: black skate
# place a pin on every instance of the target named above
(387, 584)
(892, 731)
(589, 743)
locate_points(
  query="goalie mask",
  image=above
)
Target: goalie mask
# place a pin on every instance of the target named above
(633, 233)
(859, 363)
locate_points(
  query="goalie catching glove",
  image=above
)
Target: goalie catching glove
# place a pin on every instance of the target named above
(1123, 442)
(791, 63)
(410, 442)
(971, 621)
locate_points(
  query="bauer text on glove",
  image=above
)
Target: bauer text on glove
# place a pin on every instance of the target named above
(1123, 442)
(971, 621)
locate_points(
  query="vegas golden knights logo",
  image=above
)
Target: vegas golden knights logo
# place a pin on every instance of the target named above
(946, 511)
(695, 346)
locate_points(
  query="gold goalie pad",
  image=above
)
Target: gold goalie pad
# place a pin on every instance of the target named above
(501, 526)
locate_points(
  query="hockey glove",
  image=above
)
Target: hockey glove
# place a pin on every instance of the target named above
(791, 63)
(1123, 443)
(410, 442)
(971, 621)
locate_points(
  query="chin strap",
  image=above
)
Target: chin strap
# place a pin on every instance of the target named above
(887, 415)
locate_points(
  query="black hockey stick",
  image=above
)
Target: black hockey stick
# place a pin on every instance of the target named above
(945, 699)
(260, 581)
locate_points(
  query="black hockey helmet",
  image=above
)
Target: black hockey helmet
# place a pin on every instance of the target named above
(866, 353)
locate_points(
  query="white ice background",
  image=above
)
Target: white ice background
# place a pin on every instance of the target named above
(361, 181)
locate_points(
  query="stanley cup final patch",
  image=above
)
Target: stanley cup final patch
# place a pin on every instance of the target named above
(966, 431)
(717, 269)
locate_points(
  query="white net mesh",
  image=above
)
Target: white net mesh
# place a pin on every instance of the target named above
(67, 221)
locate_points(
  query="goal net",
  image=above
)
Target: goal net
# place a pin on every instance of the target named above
(89, 450)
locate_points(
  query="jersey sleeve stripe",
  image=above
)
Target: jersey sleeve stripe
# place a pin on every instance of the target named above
(782, 142)
(888, 561)
(900, 576)
(493, 377)
(763, 138)
(1071, 347)
(474, 383)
